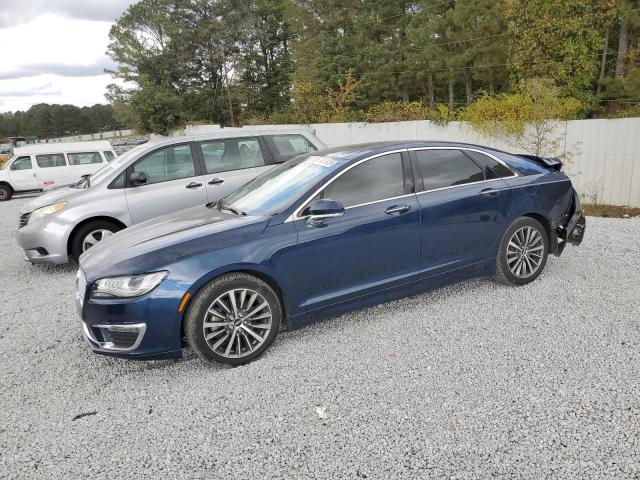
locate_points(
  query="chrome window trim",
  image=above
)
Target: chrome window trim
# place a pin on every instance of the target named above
(295, 215)
(470, 149)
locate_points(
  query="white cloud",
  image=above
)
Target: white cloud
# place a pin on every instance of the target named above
(66, 54)
(14, 12)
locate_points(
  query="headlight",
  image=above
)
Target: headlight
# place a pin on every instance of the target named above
(127, 287)
(44, 211)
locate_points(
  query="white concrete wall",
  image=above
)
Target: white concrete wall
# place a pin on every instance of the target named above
(604, 165)
(91, 136)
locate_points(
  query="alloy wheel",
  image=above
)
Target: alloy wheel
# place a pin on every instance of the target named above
(525, 252)
(94, 237)
(237, 323)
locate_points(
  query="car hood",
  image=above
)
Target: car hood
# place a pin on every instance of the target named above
(157, 243)
(51, 197)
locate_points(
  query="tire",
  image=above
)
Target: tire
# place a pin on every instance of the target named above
(216, 339)
(6, 192)
(518, 266)
(78, 246)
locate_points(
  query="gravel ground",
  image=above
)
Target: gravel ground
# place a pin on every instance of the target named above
(472, 381)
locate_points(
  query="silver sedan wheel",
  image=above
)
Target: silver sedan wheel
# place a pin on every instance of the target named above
(525, 252)
(94, 237)
(237, 323)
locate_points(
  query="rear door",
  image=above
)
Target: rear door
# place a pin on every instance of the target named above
(229, 163)
(464, 208)
(23, 174)
(52, 169)
(174, 182)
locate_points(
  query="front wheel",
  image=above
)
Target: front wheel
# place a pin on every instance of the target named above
(6, 192)
(523, 252)
(233, 319)
(90, 234)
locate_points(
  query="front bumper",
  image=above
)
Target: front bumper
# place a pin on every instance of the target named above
(144, 328)
(45, 241)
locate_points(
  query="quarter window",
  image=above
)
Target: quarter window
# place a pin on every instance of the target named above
(22, 163)
(232, 154)
(286, 147)
(447, 168)
(172, 163)
(109, 155)
(492, 168)
(52, 160)
(84, 158)
(373, 180)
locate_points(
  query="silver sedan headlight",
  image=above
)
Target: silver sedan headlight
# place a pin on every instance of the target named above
(127, 287)
(38, 213)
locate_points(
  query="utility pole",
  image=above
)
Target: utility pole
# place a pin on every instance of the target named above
(226, 78)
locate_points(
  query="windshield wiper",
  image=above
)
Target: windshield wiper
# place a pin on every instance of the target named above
(219, 205)
(83, 179)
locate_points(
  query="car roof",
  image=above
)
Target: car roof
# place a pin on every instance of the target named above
(62, 147)
(229, 132)
(362, 150)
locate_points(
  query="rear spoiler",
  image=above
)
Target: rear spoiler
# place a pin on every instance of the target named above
(546, 162)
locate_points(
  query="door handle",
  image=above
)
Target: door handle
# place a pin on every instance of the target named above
(194, 185)
(489, 192)
(216, 181)
(397, 209)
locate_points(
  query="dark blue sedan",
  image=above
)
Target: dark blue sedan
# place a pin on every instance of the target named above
(320, 235)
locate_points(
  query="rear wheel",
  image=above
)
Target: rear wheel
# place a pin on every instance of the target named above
(523, 252)
(6, 192)
(90, 234)
(233, 319)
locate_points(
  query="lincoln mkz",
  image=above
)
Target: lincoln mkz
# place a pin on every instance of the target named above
(322, 234)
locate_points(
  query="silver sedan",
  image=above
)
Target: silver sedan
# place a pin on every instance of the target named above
(149, 181)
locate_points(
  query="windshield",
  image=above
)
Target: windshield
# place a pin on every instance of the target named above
(277, 189)
(105, 172)
(6, 164)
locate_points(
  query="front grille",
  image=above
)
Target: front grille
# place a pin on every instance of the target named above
(24, 219)
(120, 339)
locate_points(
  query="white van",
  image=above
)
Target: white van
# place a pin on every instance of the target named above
(36, 167)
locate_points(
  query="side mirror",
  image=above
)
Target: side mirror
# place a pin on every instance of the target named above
(324, 208)
(137, 178)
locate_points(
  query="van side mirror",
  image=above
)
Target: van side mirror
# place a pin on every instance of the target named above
(137, 178)
(324, 208)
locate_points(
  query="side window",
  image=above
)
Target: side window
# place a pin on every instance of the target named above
(232, 154)
(84, 158)
(493, 168)
(109, 155)
(21, 163)
(171, 163)
(285, 147)
(370, 181)
(52, 160)
(118, 182)
(446, 168)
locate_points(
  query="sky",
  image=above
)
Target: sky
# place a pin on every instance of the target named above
(53, 51)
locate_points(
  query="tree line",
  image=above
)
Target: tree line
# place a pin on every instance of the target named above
(256, 61)
(48, 121)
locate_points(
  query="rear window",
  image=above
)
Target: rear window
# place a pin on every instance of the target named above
(285, 147)
(51, 160)
(84, 158)
(109, 155)
(493, 168)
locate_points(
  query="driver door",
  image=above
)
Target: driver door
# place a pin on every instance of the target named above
(173, 183)
(375, 244)
(23, 174)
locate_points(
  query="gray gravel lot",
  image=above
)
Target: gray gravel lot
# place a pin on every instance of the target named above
(472, 381)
